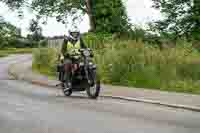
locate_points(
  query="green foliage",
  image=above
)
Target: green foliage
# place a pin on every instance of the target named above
(98, 40)
(7, 32)
(10, 37)
(105, 16)
(182, 18)
(36, 30)
(8, 51)
(43, 43)
(110, 16)
(136, 64)
(3, 55)
(17, 43)
(14, 3)
(138, 33)
(45, 60)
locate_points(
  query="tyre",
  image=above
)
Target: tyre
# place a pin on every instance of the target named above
(67, 92)
(94, 90)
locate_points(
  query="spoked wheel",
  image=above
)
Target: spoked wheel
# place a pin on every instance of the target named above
(94, 90)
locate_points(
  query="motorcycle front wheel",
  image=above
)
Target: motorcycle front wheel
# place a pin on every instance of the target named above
(66, 92)
(94, 90)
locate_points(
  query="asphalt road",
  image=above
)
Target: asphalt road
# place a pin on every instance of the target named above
(26, 108)
(7, 61)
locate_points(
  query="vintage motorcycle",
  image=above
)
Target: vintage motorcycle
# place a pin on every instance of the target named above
(83, 77)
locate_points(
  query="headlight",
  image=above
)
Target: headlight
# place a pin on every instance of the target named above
(90, 63)
(81, 64)
(86, 53)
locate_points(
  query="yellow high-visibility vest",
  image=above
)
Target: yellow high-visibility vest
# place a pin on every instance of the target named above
(73, 49)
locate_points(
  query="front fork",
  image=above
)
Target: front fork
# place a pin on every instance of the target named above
(86, 68)
(87, 75)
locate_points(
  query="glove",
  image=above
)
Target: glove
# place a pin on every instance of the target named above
(62, 57)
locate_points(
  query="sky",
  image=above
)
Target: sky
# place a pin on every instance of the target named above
(139, 12)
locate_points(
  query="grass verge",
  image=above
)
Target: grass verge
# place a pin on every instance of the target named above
(9, 51)
(135, 64)
(3, 55)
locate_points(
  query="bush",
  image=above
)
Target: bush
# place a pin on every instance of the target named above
(43, 43)
(17, 43)
(132, 63)
(138, 65)
(45, 60)
(97, 41)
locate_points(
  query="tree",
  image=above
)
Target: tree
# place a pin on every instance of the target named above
(111, 16)
(113, 11)
(182, 17)
(7, 29)
(36, 30)
(19, 32)
(1, 19)
(8, 33)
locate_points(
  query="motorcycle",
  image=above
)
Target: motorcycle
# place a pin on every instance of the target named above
(83, 75)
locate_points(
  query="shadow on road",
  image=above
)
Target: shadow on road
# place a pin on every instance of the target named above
(76, 97)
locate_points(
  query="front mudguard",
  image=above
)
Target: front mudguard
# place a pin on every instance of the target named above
(92, 67)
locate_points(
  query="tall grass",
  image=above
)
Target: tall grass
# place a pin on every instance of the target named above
(140, 65)
(45, 60)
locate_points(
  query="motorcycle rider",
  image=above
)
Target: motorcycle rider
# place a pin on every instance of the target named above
(71, 46)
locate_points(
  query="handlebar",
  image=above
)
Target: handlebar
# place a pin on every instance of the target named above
(87, 49)
(81, 50)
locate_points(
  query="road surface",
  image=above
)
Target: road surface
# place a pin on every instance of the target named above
(27, 108)
(6, 62)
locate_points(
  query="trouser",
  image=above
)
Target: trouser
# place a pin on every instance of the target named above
(67, 70)
(66, 73)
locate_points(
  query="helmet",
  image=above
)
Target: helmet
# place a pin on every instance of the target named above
(74, 34)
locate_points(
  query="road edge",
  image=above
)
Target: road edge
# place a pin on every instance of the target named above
(177, 106)
(16, 76)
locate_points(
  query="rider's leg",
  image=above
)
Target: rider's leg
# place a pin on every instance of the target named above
(67, 71)
(60, 72)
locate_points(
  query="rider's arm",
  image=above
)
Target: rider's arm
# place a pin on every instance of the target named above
(85, 47)
(64, 47)
(82, 43)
